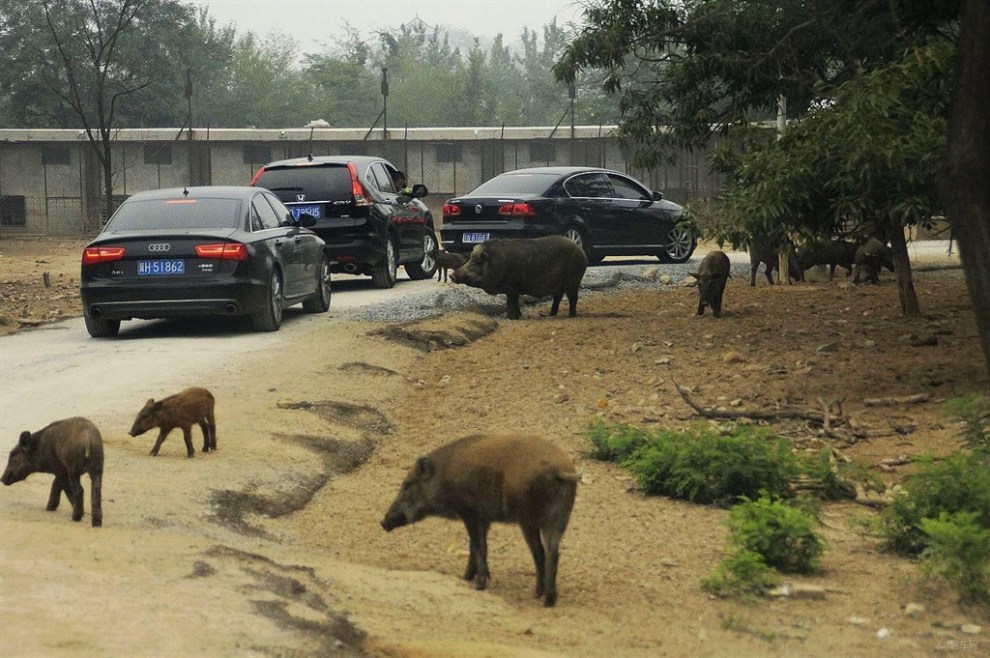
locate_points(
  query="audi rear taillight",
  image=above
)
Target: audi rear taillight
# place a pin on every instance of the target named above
(222, 251)
(516, 210)
(360, 197)
(451, 210)
(94, 255)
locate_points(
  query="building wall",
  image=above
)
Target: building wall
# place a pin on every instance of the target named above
(51, 181)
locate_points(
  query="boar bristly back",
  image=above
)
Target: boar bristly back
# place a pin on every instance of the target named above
(67, 449)
(482, 479)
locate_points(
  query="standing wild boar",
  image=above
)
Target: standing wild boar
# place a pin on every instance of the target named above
(870, 257)
(833, 253)
(448, 260)
(551, 265)
(761, 250)
(67, 449)
(191, 406)
(481, 479)
(712, 275)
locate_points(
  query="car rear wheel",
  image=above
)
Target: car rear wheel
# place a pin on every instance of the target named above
(269, 317)
(426, 268)
(384, 274)
(680, 245)
(102, 328)
(578, 237)
(320, 302)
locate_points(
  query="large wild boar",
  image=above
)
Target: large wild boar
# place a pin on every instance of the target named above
(448, 260)
(481, 479)
(551, 265)
(763, 251)
(870, 257)
(67, 449)
(833, 253)
(712, 275)
(190, 407)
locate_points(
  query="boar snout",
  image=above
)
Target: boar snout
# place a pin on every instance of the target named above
(394, 520)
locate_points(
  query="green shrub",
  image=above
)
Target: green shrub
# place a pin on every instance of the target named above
(958, 483)
(614, 444)
(959, 552)
(707, 468)
(974, 412)
(743, 574)
(782, 535)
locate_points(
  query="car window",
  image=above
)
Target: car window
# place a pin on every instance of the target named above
(383, 178)
(591, 185)
(508, 184)
(280, 210)
(180, 212)
(262, 215)
(624, 188)
(329, 182)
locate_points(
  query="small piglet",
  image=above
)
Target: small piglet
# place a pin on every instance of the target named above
(481, 479)
(712, 275)
(191, 406)
(448, 260)
(67, 449)
(539, 267)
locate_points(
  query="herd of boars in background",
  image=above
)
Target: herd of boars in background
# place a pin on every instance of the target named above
(479, 479)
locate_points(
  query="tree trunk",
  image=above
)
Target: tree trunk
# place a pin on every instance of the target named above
(964, 188)
(902, 271)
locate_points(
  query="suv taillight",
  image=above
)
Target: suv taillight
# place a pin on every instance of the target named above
(357, 189)
(451, 210)
(94, 255)
(517, 210)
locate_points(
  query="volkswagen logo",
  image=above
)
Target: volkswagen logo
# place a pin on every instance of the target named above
(159, 247)
(300, 197)
(477, 209)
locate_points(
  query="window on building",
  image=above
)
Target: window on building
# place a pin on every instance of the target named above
(54, 155)
(449, 153)
(159, 154)
(13, 211)
(257, 154)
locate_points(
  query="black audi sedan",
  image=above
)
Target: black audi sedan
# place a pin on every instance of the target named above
(606, 212)
(203, 251)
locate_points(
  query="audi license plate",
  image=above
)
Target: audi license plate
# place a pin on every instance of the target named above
(474, 238)
(315, 211)
(169, 267)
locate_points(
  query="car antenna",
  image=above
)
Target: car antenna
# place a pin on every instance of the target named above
(310, 157)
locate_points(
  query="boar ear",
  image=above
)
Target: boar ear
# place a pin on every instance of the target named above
(425, 468)
(25, 439)
(157, 405)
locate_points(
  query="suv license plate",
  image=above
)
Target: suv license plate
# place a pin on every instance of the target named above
(170, 267)
(312, 210)
(474, 238)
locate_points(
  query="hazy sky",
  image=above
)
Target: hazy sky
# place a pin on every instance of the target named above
(312, 22)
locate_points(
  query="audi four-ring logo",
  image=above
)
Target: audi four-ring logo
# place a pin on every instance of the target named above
(159, 247)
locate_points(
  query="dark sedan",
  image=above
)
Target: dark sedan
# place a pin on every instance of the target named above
(606, 212)
(203, 251)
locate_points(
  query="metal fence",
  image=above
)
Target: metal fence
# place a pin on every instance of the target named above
(51, 181)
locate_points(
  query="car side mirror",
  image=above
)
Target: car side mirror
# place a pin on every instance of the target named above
(419, 191)
(305, 220)
(657, 196)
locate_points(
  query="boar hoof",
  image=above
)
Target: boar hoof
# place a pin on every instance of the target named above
(550, 601)
(480, 582)
(97, 523)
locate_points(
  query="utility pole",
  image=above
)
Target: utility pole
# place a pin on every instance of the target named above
(385, 103)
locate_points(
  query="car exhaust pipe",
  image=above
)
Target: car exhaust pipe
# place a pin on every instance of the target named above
(350, 267)
(96, 311)
(230, 309)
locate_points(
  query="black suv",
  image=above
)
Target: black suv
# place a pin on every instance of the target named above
(370, 221)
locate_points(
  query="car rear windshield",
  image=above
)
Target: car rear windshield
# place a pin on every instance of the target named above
(508, 184)
(316, 183)
(177, 213)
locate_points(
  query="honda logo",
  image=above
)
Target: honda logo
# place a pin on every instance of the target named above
(159, 247)
(300, 197)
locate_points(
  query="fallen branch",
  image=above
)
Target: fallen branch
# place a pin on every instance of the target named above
(903, 399)
(757, 414)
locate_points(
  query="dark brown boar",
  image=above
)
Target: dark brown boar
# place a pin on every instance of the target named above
(482, 479)
(190, 407)
(870, 257)
(448, 260)
(763, 251)
(66, 449)
(551, 265)
(712, 275)
(834, 253)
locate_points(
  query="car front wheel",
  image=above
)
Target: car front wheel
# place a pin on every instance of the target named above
(269, 317)
(426, 268)
(680, 245)
(384, 274)
(320, 302)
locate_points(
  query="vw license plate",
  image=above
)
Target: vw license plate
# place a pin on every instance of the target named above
(474, 238)
(312, 210)
(170, 267)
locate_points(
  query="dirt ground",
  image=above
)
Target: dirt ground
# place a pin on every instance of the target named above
(286, 556)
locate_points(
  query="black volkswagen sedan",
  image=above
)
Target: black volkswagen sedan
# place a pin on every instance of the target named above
(606, 212)
(203, 251)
